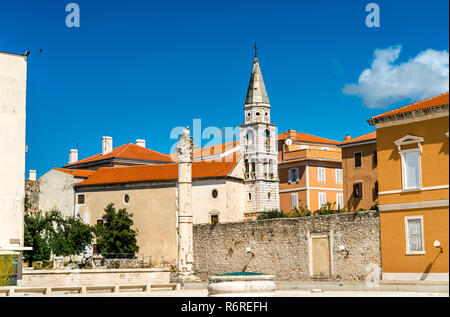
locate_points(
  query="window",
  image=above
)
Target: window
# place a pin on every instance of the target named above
(126, 198)
(214, 219)
(249, 196)
(100, 222)
(340, 201)
(411, 169)
(358, 190)
(294, 201)
(214, 193)
(324, 148)
(322, 199)
(321, 174)
(375, 189)
(338, 172)
(358, 159)
(268, 196)
(375, 159)
(81, 199)
(414, 235)
(293, 175)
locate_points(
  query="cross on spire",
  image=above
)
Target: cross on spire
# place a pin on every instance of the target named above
(256, 49)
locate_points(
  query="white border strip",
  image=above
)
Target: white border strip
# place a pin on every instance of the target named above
(398, 191)
(415, 276)
(419, 204)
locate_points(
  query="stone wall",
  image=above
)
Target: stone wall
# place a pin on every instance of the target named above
(284, 246)
(91, 277)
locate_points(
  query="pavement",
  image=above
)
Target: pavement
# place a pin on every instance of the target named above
(204, 293)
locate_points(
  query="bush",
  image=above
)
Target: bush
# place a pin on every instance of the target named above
(271, 214)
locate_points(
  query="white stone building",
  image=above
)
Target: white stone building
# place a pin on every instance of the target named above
(13, 85)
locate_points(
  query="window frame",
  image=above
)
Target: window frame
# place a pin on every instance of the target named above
(404, 179)
(336, 172)
(362, 190)
(354, 159)
(324, 175)
(323, 195)
(84, 199)
(297, 172)
(337, 200)
(296, 201)
(408, 252)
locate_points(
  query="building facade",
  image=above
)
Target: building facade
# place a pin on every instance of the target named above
(13, 86)
(413, 175)
(359, 170)
(310, 170)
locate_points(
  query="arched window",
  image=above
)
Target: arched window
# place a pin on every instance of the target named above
(267, 140)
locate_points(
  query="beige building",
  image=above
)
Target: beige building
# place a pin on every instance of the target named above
(56, 187)
(150, 194)
(13, 85)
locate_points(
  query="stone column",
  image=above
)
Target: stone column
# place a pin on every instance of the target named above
(185, 230)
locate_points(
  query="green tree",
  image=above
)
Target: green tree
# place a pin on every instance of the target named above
(7, 268)
(114, 234)
(72, 236)
(38, 232)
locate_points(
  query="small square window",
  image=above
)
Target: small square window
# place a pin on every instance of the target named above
(214, 219)
(81, 199)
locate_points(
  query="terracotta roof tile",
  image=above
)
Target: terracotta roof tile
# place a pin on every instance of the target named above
(113, 175)
(365, 137)
(127, 151)
(307, 138)
(439, 100)
(76, 172)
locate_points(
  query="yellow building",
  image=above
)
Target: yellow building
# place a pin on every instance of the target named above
(413, 176)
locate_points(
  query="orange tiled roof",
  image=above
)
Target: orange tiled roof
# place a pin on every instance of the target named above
(114, 175)
(214, 149)
(76, 172)
(127, 151)
(439, 100)
(307, 138)
(365, 137)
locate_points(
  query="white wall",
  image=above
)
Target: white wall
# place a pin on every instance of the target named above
(56, 191)
(13, 80)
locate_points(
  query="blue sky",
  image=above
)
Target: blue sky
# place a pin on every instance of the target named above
(137, 69)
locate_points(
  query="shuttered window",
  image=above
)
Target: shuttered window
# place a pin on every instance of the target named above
(294, 201)
(293, 175)
(358, 190)
(338, 172)
(414, 232)
(340, 201)
(321, 174)
(322, 199)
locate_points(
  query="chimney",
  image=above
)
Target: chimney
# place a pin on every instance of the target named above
(73, 156)
(107, 145)
(140, 142)
(347, 137)
(32, 175)
(292, 134)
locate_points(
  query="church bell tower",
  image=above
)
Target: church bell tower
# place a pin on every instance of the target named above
(259, 148)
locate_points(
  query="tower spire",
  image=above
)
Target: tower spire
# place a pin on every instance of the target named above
(256, 93)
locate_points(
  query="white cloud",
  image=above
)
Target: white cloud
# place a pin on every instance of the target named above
(384, 83)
